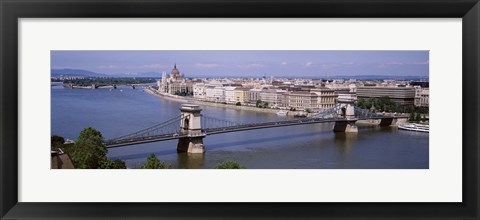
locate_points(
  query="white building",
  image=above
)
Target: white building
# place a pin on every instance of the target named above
(254, 95)
(219, 94)
(229, 94)
(210, 92)
(199, 90)
(273, 97)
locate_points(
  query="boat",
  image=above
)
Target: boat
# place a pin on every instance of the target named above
(415, 127)
(282, 113)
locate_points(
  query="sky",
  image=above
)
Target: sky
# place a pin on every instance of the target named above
(301, 63)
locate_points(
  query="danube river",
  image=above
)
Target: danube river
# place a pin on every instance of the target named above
(315, 146)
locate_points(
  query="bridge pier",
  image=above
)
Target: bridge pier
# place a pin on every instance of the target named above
(385, 122)
(347, 111)
(192, 145)
(191, 126)
(346, 126)
(399, 121)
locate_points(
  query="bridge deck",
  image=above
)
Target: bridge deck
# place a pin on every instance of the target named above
(244, 127)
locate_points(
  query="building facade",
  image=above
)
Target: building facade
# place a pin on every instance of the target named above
(229, 94)
(241, 95)
(254, 95)
(301, 100)
(199, 90)
(326, 98)
(421, 97)
(219, 94)
(175, 84)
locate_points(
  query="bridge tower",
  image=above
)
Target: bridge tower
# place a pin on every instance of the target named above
(191, 127)
(346, 104)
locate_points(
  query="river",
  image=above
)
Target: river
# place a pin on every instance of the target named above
(315, 146)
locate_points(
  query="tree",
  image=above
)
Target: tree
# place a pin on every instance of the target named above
(259, 102)
(370, 103)
(229, 164)
(56, 142)
(361, 103)
(265, 104)
(112, 164)
(154, 163)
(89, 150)
(412, 117)
(238, 104)
(418, 117)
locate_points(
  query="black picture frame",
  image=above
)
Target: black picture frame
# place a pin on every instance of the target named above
(12, 10)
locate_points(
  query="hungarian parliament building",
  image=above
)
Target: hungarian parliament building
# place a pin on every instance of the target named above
(175, 84)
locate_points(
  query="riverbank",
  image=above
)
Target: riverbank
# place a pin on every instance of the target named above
(182, 99)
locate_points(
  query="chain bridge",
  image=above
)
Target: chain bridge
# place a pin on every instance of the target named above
(190, 127)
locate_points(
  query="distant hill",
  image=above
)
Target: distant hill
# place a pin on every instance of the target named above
(74, 72)
(86, 73)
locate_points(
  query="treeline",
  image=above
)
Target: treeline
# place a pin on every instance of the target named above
(108, 81)
(89, 152)
(384, 104)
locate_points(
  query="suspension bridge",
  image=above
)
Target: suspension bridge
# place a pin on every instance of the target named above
(190, 127)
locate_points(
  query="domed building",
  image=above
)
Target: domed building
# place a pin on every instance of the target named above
(175, 84)
(175, 74)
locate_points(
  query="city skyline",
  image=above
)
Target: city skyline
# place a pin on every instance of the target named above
(248, 63)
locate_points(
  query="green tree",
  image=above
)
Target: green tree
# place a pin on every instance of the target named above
(112, 164)
(418, 117)
(411, 117)
(89, 150)
(56, 142)
(154, 163)
(229, 164)
(238, 104)
(265, 104)
(361, 103)
(258, 103)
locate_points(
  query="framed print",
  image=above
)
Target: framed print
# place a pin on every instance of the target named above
(268, 109)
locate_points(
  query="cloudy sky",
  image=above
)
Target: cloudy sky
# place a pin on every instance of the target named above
(248, 63)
